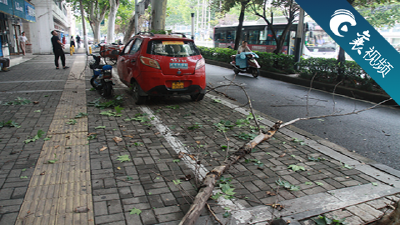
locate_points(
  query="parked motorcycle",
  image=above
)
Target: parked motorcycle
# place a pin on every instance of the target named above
(246, 62)
(102, 76)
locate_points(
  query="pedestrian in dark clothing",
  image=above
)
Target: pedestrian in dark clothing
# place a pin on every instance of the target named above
(58, 49)
(78, 41)
(72, 42)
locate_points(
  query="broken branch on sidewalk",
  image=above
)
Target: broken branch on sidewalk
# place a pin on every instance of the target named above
(212, 177)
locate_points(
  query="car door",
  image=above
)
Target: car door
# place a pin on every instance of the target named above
(132, 60)
(122, 62)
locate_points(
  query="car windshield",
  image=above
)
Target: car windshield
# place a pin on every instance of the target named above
(172, 48)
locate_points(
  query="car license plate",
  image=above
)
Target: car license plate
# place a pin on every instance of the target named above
(178, 65)
(177, 85)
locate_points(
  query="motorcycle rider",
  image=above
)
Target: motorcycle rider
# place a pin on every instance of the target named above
(241, 60)
(243, 48)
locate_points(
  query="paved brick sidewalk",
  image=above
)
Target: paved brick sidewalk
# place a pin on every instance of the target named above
(167, 144)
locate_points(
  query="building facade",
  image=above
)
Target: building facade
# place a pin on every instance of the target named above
(15, 17)
(50, 15)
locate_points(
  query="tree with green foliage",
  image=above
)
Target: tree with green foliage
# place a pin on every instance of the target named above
(225, 6)
(124, 13)
(130, 29)
(290, 10)
(96, 11)
(179, 11)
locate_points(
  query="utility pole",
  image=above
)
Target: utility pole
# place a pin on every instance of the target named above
(299, 41)
(136, 16)
(84, 29)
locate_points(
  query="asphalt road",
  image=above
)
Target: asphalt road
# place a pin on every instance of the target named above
(374, 133)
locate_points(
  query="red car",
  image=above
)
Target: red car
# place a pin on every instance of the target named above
(162, 65)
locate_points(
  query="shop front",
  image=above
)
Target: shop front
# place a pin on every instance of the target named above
(13, 15)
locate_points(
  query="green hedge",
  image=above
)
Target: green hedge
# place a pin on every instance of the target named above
(325, 70)
(269, 61)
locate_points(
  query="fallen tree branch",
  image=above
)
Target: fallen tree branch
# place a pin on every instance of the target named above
(212, 177)
(332, 115)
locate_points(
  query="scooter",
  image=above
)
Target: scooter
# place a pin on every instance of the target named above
(102, 76)
(246, 62)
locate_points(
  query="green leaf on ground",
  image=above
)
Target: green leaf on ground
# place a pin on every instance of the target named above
(123, 158)
(71, 122)
(374, 184)
(9, 123)
(47, 138)
(347, 166)
(176, 182)
(287, 185)
(100, 127)
(217, 195)
(195, 126)
(296, 168)
(80, 115)
(172, 106)
(129, 178)
(91, 137)
(135, 211)
(37, 137)
(226, 214)
(319, 183)
(18, 101)
(24, 177)
(37, 111)
(118, 109)
(176, 160)
(309, 183)
(216, 101)
(316, 159)
(24, 169)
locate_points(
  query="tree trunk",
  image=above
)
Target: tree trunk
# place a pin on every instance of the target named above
(96, 15)
(212, 177)
(114, 4)
(159, 14)
(131, 27)
(239, 28)
(96, 31)
(281, 40)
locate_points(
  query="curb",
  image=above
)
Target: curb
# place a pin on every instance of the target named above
(346, 91)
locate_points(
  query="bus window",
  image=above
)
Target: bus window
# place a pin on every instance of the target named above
(319, 44)
(253, 37)
(263, 37)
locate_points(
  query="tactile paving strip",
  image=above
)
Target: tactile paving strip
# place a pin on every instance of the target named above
(61, 182)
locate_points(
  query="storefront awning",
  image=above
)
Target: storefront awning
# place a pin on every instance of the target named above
(18, 8)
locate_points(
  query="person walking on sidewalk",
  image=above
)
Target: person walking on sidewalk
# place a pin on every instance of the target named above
(58, 49)
(72, 43)
(78, 41)
(22, 42)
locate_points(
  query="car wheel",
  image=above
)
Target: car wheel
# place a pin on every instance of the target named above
(139, 100)
(107, 88)
(197, 97)
(255, 72)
